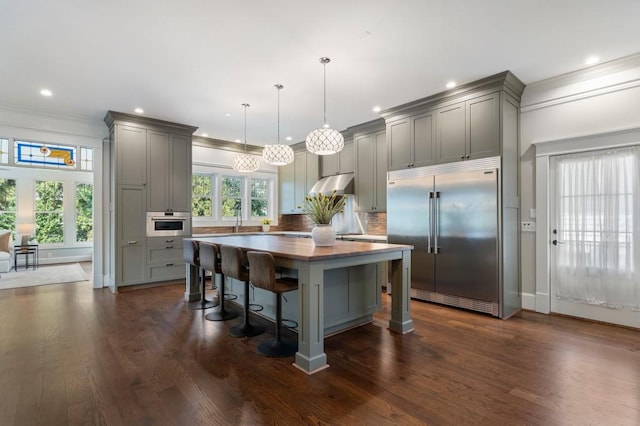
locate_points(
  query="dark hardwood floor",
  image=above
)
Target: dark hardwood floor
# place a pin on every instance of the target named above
(70, 354)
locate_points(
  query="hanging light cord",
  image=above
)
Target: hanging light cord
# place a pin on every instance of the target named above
(324, 72)
(278, 86)
(245, 126)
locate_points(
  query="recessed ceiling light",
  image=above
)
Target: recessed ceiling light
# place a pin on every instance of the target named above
(205, 135)
(238, 140)
(139, 111)
(46, 92)
(592, 60)
(289, 138)
(227, 115)
(451, 85)
(377, 109)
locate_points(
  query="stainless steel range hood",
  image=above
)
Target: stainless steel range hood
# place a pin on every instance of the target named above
(341, 184)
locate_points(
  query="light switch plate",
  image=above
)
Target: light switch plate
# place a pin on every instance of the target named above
(528, 226)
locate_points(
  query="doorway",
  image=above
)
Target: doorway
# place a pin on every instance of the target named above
(594, 224)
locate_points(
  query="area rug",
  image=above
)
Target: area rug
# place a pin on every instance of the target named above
(70, 272)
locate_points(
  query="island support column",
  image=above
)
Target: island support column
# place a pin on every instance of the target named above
(400, 321)
(310, 357)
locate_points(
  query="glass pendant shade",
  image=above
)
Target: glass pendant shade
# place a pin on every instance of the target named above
(245, 163)
(278, 155)
(324, 141)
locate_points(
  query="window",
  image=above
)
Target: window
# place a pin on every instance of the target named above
(259, 198)
(44, 155)
(231, 196)
(8, 204)
(84, 212)
(49, 211)
(202, 196)
(86, 159)
(4, 151)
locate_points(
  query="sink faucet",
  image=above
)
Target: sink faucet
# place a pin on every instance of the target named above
(236, 228)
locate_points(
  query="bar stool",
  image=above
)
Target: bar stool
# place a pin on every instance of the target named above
(191, 253)
(234, 266)
(210, 260)
(262, 272)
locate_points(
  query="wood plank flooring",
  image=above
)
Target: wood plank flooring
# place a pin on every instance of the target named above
(70, 354)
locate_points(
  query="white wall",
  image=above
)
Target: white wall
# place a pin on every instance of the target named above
(39, 127)
(597, 100)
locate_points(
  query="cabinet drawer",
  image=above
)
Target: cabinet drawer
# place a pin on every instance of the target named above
(165, 242)
(165, 254)
(168, 271)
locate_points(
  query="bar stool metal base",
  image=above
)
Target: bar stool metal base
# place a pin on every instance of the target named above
(203, 304)
(221, 315)
(278, 348)
(245, 330)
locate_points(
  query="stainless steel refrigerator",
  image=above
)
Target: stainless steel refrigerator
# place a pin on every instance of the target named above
(452, 218)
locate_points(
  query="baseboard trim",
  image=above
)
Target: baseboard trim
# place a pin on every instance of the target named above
(529, 301)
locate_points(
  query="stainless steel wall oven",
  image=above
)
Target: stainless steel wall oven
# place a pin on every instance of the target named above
(168, 224)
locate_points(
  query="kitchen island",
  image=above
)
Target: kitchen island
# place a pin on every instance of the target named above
(311, 263)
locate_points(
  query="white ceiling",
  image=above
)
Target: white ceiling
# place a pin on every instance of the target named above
(193, 61)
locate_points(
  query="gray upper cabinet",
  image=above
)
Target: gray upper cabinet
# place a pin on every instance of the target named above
(462, 124)
(410, 141)
(131, 155)
(342, 162)
(295, 181)
(169, 172)
(371, 171)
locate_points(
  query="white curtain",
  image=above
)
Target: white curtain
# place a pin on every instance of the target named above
(598, 225)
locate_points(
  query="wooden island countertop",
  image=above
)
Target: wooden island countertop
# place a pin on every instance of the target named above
(311, 262)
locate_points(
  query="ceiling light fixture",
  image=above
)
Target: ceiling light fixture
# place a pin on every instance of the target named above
(377, 109)
(451, 85)
(204, 135)
(592, 60)
(278, 155)
(139, 111)
(245, 163)
(46, 92)
(325, 140)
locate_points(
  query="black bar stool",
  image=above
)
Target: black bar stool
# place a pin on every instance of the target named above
(234, 265)
(262, 272)
(191, 252)
(210, 260)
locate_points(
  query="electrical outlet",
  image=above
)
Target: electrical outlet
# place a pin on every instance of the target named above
(528, 227)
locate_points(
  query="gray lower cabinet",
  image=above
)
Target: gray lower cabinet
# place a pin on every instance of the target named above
(371, 171)
(165, 259)
(130, 266)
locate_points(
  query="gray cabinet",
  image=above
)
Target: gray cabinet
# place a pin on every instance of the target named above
(295, 181)
(371, 171)
(410, 141)
(342, 162)
(469, 130)
(150, 171)
(169, 172)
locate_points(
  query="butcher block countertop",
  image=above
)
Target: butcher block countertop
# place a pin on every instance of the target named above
(302, 248)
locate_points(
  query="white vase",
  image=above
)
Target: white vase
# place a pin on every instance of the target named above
(265, 228)
(323, 235)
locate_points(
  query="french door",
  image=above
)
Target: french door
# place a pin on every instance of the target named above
(595, 235)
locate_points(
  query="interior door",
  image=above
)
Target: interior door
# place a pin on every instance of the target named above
(584, 264)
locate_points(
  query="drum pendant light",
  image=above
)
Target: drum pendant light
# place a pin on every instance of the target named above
(325, 140)
(245, 163)
(278, 155)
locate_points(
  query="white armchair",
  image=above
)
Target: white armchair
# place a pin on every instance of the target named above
(6, 250)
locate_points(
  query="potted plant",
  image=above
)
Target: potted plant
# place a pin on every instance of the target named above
(321, 209)
(266, 224)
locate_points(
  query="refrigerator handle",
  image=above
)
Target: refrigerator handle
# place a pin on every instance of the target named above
(436, 216)
(430, 224)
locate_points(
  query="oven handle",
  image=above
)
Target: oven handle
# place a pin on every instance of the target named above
(169, 218)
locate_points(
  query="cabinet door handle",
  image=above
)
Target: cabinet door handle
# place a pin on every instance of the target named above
(168, 241)
(462, 157)
(168, 264)
(169, 247)
(132, 242)
(466, 156)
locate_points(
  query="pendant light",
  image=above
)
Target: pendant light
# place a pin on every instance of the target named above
(245, 163)
(278, 155)
(325, 140)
